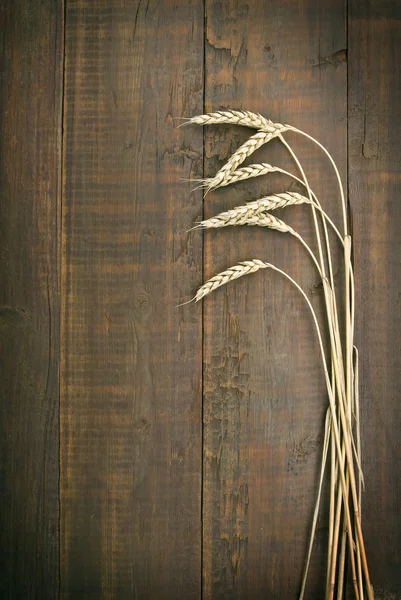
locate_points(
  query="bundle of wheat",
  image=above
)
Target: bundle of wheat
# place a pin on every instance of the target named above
(342, 421)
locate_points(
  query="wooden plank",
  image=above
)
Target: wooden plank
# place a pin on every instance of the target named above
(264, 390)
(131, 361)
(30, 142)
(374, 190)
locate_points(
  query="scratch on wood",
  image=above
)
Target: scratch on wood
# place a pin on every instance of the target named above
(335, 60)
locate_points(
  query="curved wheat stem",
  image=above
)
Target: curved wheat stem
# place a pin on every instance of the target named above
(341, 188)
(252, 266)
(348, 377)
(337, 364)
(327, 430)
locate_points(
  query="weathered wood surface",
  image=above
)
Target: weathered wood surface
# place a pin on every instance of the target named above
(374, 192)
(31, 38)
(131, 361)
(264, 392)
(153, 503)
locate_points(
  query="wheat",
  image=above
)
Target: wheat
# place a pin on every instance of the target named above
(243, 268)
(243, 215)
(245, 118)
(260, 219)
(278, 201)
(241, 174)
(247, 172)
(253, 143)
(263, 169)
(268, 220)
(224, 175)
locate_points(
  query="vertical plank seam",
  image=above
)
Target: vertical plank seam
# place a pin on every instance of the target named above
(60, 257)
(203, 315)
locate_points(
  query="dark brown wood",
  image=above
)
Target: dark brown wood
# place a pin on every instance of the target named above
(131, 361)
(131, 496)
(265, 397)
(375, 189)
(30, 141)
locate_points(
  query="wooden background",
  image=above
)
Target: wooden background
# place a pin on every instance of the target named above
(154, 452)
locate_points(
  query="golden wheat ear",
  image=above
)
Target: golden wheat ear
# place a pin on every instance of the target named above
(245, 118)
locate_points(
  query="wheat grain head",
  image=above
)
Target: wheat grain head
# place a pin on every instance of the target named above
(255, 170)
(224, 175)
(245, 214)
(244, 118)
(243, 268)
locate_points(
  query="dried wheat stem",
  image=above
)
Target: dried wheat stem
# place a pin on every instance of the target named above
(336, 350)
(358, 445)
(250, 267)
(334, 555)
(327, 429)
(331, 306)
(341, 562)
(347, 260)
(357, 419)
(333, 480)
(335, 425)
(349, 399)
(330, 300)
(347, 440)
(349, 305)
(341, 188)
(349, 326)
(338, 366)
(344, 460)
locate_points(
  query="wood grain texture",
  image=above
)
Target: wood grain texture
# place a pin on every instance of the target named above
(264, 394)
(30, 141)
(131, 361)
(131, 364)
(375, 188)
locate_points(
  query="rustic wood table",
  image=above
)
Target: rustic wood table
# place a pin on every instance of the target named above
(154, 452)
